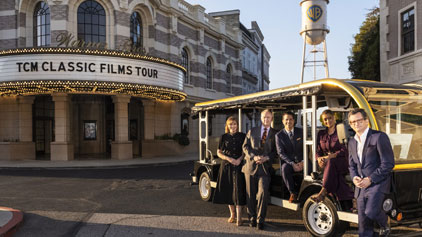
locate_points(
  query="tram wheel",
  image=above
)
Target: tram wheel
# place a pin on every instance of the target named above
(321, 218)
(205, 189)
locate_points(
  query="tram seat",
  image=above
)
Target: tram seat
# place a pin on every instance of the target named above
(213, 146)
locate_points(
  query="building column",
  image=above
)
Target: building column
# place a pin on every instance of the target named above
(25, 146)
(62, 148)
(121, 148)
(149, 119)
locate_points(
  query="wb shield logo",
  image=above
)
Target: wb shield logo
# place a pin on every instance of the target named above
(314, 12)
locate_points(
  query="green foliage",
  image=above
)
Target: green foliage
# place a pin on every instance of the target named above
(364, 62)
(182, 139)
(164, 137)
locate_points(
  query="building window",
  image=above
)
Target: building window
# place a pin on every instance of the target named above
(41, 24)
(136, 30)
(91, 22)
(209, 73)
(185, 64)
(408, 30)
(229, 78)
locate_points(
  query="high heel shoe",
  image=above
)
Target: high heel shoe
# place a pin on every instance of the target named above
(232, 219)
(320, 197)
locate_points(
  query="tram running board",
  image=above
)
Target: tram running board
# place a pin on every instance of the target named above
(284, 203)
(347, 216)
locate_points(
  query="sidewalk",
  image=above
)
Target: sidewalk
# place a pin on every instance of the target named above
(11, 218)
(96, 163)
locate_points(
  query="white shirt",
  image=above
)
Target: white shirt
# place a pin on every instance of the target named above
(288, 132)
(361, 143)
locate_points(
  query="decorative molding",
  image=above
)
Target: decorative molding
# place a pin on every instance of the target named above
(408, 68)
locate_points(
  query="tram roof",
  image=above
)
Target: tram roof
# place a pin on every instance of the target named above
(267, 98)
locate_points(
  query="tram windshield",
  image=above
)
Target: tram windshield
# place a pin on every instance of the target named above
(398, 112)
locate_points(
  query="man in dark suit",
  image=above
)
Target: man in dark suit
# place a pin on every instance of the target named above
(371, 160)
(259, 149)
(289, 143)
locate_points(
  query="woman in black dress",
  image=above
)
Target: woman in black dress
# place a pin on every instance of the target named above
(231, 182)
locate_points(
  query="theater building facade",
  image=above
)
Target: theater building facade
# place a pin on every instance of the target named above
(83, 79)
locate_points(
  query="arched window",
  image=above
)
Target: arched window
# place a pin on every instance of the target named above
(186, 64)
(42, 25)
(209, 73)
(136, 30)
(91, 22)
(229, 78)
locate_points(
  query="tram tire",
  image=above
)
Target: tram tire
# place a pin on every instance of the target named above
(321, 219)
(204, 186)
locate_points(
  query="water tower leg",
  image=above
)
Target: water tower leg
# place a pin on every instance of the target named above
(303, 59)
(327, 73)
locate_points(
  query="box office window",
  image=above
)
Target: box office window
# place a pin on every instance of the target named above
(90, 130)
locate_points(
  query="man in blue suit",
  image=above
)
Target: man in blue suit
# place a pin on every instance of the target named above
(289, 145)
(371, 160)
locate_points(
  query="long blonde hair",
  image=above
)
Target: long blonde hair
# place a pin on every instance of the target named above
(228, 121)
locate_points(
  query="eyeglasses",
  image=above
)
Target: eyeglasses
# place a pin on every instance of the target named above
(359, 121)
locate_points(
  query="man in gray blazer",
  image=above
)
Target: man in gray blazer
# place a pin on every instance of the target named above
(371, 160)
(260, 152)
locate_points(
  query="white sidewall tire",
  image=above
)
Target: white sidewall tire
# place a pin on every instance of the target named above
(321, 219)
(205, 189)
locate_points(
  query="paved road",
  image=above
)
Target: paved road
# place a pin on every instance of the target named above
(157, 201)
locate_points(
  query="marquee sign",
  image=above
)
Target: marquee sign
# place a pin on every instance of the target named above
(101, 67)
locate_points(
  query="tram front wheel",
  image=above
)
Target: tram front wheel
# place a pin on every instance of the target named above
(205, 186)
(321, 218)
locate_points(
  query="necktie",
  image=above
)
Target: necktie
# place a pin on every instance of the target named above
(291, 135)
(264, 136)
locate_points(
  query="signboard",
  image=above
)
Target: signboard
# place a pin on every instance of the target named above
(85, 67)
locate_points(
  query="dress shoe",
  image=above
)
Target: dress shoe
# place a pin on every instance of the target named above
(293, 198)
(385, 231)
(252, 223)
(260, 226)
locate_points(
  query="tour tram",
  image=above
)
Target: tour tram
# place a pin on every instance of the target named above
(393, 109)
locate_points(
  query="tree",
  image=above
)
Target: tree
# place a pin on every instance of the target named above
(364, 62)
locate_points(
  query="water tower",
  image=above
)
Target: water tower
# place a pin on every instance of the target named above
(314, 29)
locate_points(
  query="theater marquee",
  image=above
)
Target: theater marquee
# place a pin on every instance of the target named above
(47, 70)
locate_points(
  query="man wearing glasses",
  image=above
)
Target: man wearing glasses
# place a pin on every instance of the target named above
(371, 160)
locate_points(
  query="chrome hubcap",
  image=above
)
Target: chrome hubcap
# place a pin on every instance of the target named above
(320, 218)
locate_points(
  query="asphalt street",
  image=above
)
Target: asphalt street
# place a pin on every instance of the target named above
(153, 201)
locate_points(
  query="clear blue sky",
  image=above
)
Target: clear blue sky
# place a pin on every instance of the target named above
(280, 22)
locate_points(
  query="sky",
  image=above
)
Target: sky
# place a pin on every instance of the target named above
(280, 23)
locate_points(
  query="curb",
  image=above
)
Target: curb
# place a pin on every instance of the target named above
(11, 226)
(129, 166)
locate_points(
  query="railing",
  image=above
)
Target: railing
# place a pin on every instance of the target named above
(190, 11)
(184, 6)
(211, 21)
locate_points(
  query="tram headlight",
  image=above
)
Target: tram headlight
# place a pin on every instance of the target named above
(387, 205)
(393, 213)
